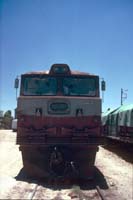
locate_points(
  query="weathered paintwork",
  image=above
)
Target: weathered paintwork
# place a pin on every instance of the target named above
(60, 124)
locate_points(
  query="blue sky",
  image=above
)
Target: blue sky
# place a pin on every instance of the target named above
(94, 36)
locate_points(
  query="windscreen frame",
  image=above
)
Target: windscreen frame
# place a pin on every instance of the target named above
(59, 89)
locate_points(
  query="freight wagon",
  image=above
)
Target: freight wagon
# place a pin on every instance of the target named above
(118, 123)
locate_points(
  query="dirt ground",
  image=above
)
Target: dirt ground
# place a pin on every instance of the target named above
(115, 170)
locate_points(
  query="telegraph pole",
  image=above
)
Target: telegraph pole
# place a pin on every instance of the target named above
(123, 95)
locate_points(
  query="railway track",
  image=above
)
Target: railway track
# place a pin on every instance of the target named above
(37, 191)
(34, 192)
(77, 194)
(21, 188)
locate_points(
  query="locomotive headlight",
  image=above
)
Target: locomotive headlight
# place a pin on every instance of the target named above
(60, 69)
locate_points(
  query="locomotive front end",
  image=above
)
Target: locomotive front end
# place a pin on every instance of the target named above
(59, 122)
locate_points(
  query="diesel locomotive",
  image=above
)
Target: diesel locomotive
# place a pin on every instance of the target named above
(59, 122)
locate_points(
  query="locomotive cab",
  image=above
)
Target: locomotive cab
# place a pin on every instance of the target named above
(59, 122)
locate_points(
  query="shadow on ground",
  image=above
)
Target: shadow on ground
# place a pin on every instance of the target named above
(123, 150)
(60, 183)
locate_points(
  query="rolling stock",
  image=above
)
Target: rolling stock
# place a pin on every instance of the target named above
(118, 123)
(59, 122)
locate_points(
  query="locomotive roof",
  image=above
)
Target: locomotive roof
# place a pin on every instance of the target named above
(47, 72)
(59, 69)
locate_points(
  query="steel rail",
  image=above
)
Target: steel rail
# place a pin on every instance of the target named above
(34, 191)
(100, 193)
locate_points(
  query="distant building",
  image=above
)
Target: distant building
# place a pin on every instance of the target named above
(1, 114)
(1, 117)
